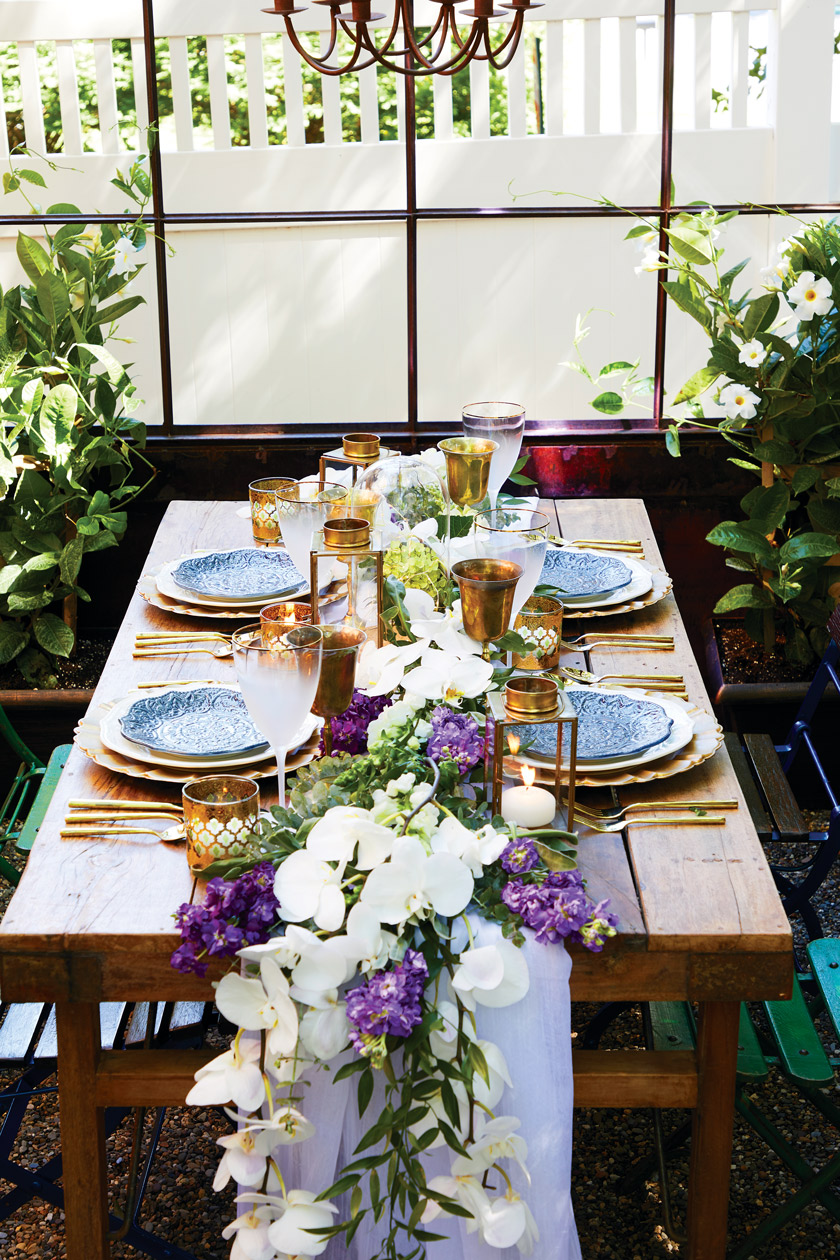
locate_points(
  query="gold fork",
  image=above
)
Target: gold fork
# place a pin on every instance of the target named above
(631, 545)
(654, 681)
(652, 644)
(611, 828)
(176, 636)
(616, 815)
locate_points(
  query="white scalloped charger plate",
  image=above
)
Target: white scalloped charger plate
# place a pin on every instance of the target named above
(147, 589)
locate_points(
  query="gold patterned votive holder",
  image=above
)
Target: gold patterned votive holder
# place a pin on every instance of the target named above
(219, 812)
(264, 524)
(540, 621)
(275, 618)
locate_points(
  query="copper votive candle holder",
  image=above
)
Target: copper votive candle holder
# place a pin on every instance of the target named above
(338, 675)
(486, 588)
(527, 697)
(468, 467)
(219, 812)
(347, 532)
(275, 618)
(361, 445)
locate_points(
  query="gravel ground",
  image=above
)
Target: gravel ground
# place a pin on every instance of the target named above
(181, 1206)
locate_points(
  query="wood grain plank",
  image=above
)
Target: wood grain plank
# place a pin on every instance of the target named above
(82, 1134)
(631, 1078)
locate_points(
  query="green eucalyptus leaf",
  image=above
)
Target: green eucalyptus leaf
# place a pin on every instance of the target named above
(53, 634)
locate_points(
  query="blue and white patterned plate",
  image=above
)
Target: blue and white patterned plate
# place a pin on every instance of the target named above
(201, 722)
(579, 574)
(610, 724)
(248, 573)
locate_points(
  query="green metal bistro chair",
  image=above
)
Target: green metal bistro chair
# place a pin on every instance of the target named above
(795, 1048)
(26, 801)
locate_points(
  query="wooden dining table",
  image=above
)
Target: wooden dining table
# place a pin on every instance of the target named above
(699, 916)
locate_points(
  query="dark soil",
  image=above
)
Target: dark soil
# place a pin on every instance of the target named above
(81, 673)
(744, 661)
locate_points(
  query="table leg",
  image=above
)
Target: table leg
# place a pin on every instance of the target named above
(711, 1142)
(82, 1132)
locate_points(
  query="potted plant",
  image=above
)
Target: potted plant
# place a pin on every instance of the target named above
(772, 383)
(69, 449)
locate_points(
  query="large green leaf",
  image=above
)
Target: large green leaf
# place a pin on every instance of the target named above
(53, 635)
(53, 297)
(71, 560)
(775, 452)
(804, 478)
(825, 515)
(688, 302)
(746, 596)
(26, 601)
(611, 404)
(57, 422)
(767, 506)
(808, 547)
(13, 639)
(695, 247)
(32, 256)
(112, 366)
(760, 314)
(117, 309)
(742, 538)
(697, 384)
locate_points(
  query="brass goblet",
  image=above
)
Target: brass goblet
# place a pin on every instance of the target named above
(486, 588)
(468, 467)
(338, 675)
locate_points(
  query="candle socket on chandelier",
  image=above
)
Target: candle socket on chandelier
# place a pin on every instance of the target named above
(533, 702)
(350, 540)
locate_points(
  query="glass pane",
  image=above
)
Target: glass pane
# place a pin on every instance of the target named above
(293, 326)
(498, 306)
(575, 116)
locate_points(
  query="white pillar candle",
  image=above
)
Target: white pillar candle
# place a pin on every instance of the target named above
(528, 806)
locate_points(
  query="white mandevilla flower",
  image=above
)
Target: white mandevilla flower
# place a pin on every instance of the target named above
(810, 296)
(442, 676)
(414, 883)
(739, 402)
(753, 353)
(309, 888)
(477, 848)
(492, 975)
(234, 1076)
(336, 835)
(290, 1234)
(651, 261)
(264, 1003)
(125, 257)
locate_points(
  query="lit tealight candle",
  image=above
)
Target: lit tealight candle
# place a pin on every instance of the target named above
(528, 806)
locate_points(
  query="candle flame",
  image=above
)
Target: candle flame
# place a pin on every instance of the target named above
(513, 743)
(529, 774)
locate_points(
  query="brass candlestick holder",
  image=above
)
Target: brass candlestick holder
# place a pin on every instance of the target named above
(357, 451)
(533, 702)
(468, 467)
(350, 540)
(486, 588)
(338, 675)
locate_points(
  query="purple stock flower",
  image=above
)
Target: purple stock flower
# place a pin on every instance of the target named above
(234, 913)
(455, 737)
(349, 729)
(558, 907)
(520, 856)
(388, 1003)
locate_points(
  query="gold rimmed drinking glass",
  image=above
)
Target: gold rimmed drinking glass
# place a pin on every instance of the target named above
(503, 422)
(518, 534)
(467, 468)
(219, 812)
(278, 680)
(302, 509)
(264, 524)
(338, 675)
(487, 588)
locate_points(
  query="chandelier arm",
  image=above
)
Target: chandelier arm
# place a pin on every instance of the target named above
(465, 54)
(512, 35)
(453, 29)
(426, 67)
(318, 63)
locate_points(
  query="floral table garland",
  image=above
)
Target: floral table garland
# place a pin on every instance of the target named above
(342, 925)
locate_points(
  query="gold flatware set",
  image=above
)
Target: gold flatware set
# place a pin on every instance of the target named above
(107, 818)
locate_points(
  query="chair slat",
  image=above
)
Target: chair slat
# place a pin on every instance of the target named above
(217, 78)
(293, 94)
(740, 66)
(760, 817)
(592, 76)
(369, 106)
(110, 1018)
(800, 1048)
(752, 1065)
(47, 1047)
(18, 1030)
(825, 960)
(672, 1026)
(553, 93)
(789, 821)
(517, 97)
(39, 806)
(479, 100)
(442, 95)
(141, 100)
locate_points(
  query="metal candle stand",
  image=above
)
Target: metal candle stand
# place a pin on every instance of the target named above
(544, 704)
(348, 539)
(358, 450)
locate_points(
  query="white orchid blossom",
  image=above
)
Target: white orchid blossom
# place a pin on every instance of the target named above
(246, 1152)
(309, 888)
(476, 848)
(492, 975)
(379, 671)
(414, 883)
(448, 678)
(367, 943)
(467, 1190)
(324, 1029)
(753, 353)
(234, 1076)
(811, 295)
(290, 1233)
(250, 1234)
(261, 1004)
(495, 1140)
(739, 402)
(508, 1222)
(336, 835)
(444, 628)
